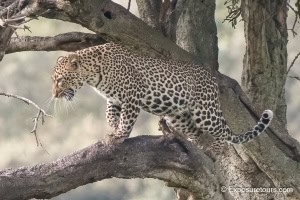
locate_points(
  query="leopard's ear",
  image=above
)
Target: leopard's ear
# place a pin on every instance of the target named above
(59, 59)
(73, 61)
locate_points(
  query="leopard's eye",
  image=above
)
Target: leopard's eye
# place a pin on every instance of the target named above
(74, 65)
(59, 82)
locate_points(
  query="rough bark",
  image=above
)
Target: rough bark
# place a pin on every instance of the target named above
(256, 164)
(5, 34)
(196, 31)
(149, 11)
(63, 42)
(7, 10)
(260, 163)
(139, 157)
(170, 13)
(191, 24)
(265, 60)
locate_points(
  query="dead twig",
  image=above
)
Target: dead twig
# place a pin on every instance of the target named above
(295, 77)
(292, 63)
(40, 115)
(234, 11)
(19, 27)
(295, 20)
(129, 4)
(18, 21)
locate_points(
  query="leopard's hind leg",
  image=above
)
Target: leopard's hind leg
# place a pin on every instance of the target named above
(184, 125)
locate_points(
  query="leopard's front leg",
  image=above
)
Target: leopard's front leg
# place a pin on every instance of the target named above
(113, 112)
(128, 116)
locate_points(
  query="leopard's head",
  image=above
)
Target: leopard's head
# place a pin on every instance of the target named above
(67, 77)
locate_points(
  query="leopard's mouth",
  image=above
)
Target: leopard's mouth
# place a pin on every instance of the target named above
(69, 94)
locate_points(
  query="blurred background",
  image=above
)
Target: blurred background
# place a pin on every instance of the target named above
(83, 123)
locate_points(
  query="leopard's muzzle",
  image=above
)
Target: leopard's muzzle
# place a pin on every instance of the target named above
(69, 94)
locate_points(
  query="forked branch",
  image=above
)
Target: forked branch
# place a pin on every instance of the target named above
(293, 62)
(291, 65)
(40, 115)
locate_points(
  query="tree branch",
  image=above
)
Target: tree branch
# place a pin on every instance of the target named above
(10, 7)
(67, 42)
(296, 12)
(40, 115)
(139, 157)
(293, 62)
(129, 4)
(295, 77)
(113, 22)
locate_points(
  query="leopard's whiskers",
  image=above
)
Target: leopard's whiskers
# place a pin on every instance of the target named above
(55, 106)
(69, 101)
(59, 105)
(72, 103)
(48, 103)
(66, 106)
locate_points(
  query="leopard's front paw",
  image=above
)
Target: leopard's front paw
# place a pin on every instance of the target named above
(114, 139)
(193, 141)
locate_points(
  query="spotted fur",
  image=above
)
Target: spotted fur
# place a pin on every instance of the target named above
(185, 95)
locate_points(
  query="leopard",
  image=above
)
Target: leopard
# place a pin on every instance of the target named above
(185, 95)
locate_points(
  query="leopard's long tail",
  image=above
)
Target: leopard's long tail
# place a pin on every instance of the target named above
(260, 127)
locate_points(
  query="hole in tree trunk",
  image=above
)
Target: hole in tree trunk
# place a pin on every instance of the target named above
(108, 14)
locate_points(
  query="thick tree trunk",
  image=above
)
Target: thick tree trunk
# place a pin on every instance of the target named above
(196, 31)
(265, 60)
(149, 11)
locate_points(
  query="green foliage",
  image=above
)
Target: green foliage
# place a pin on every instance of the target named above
(234, 11)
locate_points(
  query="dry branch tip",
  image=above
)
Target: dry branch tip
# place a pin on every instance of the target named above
(293, 62)
(40, 115)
